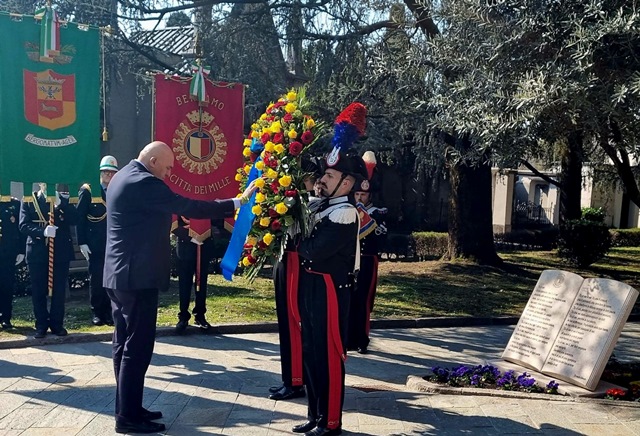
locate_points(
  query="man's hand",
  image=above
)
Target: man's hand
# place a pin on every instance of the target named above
(19, 259)
(248, 192)
(50, 231)
(84, 249)
(195, 241)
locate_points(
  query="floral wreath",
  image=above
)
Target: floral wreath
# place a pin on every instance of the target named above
(283, 133)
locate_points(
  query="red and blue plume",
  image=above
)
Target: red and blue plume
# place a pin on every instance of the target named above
(349, 126)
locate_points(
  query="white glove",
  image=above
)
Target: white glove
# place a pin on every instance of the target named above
(50, 231)
(19, 259)
(84, 249)
(195, 241)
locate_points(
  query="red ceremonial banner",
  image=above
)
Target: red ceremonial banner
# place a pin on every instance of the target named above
(206, 140)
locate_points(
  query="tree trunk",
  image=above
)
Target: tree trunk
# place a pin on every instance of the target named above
(470, 215)
(571, 175)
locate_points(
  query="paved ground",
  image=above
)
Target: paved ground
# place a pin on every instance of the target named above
(218, 385)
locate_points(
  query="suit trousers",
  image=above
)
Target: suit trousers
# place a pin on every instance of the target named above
(7, 285)
(187, 258)
(54, 316)
(134, 317)
(98, 298)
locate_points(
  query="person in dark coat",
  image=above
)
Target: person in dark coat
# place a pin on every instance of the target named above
(92, 237)
(329, 261)
(12, 245)
(287, 315)
(187, 253)
(372, 234)
(34, 223)
(139, 212)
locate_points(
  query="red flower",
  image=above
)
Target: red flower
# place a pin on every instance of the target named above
(251, 259)
(248, 247)
(272, 213)
(275, 225)
(277, 138)
(295, 148)
(287, 118)
(290, 193)
(279, 104)
(261, 245)
(273, 163)
(307, 137)
(270, 118)
(275, 186)
(265, 138)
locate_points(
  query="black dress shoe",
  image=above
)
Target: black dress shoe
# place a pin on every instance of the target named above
(181, 326)
(96, 320)
(108, 321)
(6, 325)
(303, 428)
(363, 350)
(60, 332)
(274, 389)
(287, 393)
(139, 427)
(39, 334)
(202, 323)
(149, 415)
(323, 431)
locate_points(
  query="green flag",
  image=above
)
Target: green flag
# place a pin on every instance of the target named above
(49, 105)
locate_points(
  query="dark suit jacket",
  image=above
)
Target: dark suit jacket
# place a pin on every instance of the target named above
(92, 221)
(32, 226)
(12, 242)
(139, 208)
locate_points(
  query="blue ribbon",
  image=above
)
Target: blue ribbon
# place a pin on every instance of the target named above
(240, 230)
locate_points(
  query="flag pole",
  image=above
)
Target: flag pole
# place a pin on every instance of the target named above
(51, 243)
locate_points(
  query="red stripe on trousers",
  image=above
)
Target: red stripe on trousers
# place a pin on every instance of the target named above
(295, 335)
(371, 295)
(335, 355)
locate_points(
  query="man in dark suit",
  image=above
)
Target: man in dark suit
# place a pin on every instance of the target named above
(139, 209)
(12, 246)
(92, 237)
(34, 222)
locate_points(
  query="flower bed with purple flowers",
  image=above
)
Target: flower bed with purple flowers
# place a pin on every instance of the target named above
(488, 376)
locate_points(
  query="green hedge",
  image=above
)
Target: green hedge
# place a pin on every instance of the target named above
(625, 237)
(430, 245)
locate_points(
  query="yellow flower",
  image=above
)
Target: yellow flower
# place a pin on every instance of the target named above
(246, 152)
(238, 177)
(292, 134)
(280, 149)
(260, 165)
(291, 95)
(285, 181)
(266, 130)
(259, 183)
(290, 108)
(271, 173)
(257, 210)
(281, 208)
(255, 134)
(255, 126)
(263, 116)
(269, 107)
(247, 142)
(268, 238)
(245, 261)
(265, 221)
(251, 240)
(310, 123)
(260, 197)
(276, 127)
(269, 146)
(246, 169)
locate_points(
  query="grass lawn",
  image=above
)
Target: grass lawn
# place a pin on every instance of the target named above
(405, 290)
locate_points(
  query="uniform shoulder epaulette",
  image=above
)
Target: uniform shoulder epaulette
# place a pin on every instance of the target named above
(346, 214)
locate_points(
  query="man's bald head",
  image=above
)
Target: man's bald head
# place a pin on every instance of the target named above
(158, 158)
